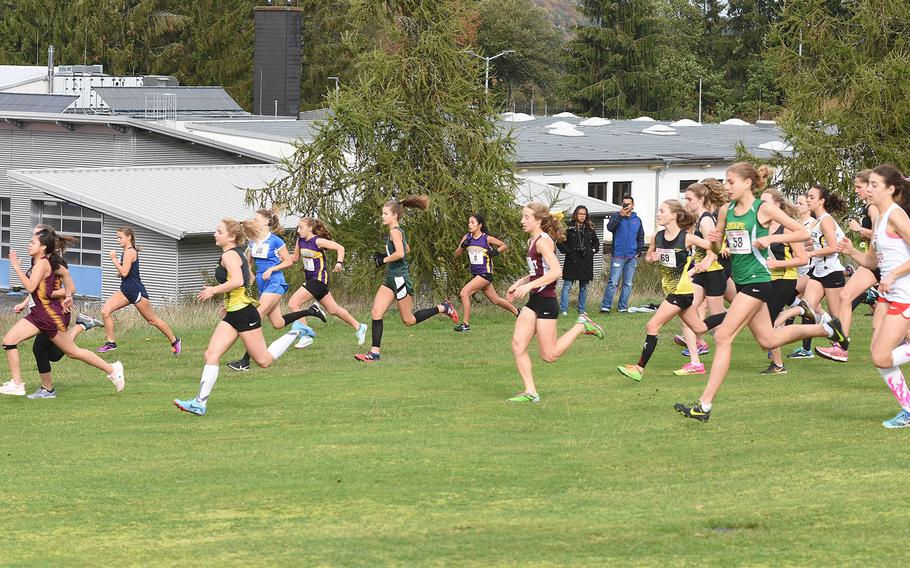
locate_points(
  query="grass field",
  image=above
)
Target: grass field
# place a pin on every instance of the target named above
(418, 459)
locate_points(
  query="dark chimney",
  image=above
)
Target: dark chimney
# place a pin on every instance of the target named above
(276, 65)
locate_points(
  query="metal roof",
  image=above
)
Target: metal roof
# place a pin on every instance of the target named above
(15, 75)
(28, 102)
(176, 201)
(188, 99)
(263, 128)
(561, 199)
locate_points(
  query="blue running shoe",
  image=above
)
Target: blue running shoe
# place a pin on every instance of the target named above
(703, 349)
(190, 405)
(303, 330)
(800, 353)
(902, 420)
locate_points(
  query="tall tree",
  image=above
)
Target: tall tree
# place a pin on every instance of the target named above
(412, 119)
(325, 54)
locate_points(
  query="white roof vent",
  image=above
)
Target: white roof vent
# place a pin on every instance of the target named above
(685, 122)
(560, 124)
(517, 117)
(565, 131)
(595, 121)
(644, 119)
(659, 130)
(564, 115)
(735, 122)
(776, 146)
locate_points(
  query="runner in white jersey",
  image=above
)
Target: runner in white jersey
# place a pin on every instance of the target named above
(890, 252)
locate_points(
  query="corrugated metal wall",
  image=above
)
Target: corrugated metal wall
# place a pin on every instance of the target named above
(198, 258)
(157, 261)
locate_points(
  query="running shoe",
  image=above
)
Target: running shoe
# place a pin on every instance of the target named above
(303, 330)
(679, 340)
(525, 397)
(241, 365)
(631, 371)
(108, 346)
(693, 410)
(449, 310)
(367, 357)
(117, 377)
(837, 332)
(774, 370)
(190, 405)
(304, 341)
(902, 420)
(871, 297)
(690, 369)
(800, 353)
(361, 334)
(462, 327)
(833, 353)
(703, 349)
(12, 389)
(315, 310)
(177, 347)
(591, 327)
(88, 322)
(808, 312)
(42, 393)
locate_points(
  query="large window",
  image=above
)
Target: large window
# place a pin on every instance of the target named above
(74, 220)
(4, 227)
(621, 188)
(598, 190)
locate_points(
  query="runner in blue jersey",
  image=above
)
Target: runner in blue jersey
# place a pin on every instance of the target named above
(132, 291)
(267, 251)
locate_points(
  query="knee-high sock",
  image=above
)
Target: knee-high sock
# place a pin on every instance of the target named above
(426, 313)
(647, 350)
(900, 355)
(894, 378)
(294, 316)
(246, 357)
(377, 333)
(861, 299)
(715, 320)
(209, 376)
(280, 345)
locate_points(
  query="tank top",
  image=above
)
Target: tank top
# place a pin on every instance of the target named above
(42, 295)
(239, 297)
(700, 253)
(478, 254)
(891, 251)
(749, 263)
(782, 251)
(313, 259)
(265, 252)
(400, 266)
(674, 259)
(537, 267)
(865, 221)
(132, 277)
(825, 265)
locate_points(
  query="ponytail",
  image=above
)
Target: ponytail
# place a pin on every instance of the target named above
(240, 231)
(415, 201)
(834, 203)
(684, 218)
(273, 219)
(318, 227)
(550, 222)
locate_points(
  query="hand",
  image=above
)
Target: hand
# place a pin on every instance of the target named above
(885, 285)
(464, 244)
(113, 255)
(854, 225)
(724, 253)
(206, 293)
(714, 236)
(774, 263)
(68, 304)
(222, 312)
(20, 306)
(267, 274)
(493, 252)
(652, 257)
(379, 259)
(13, 258)
(845, 246)
(520, 292)
(338, 267)
(701, 266)
(762, 243)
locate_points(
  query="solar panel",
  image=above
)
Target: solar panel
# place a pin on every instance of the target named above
(29, 102)
(188, 99)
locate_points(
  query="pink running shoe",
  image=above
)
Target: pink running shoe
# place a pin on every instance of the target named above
(834, 353)
(690, 369)
(449, 310)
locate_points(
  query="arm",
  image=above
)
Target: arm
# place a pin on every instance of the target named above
(287, 260)
(500, 246)
(866, 259)
(39, 271)
(230, 260)
(901, 225)
(701, 243)
(794, 232)
(284, 255)
(716, 236)
(460, 248)
(830, 238)
(613, 223)
(69, 288)
(332, 245)
(595, 242)
(798, 257)
(129, 257)
(398, 241)
(705, 227)
(640, 238)
(548, 252)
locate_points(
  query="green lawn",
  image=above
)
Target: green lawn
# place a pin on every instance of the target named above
(418, 459)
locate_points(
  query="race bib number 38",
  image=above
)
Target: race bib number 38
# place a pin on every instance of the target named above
(666, 257)
(738, 241)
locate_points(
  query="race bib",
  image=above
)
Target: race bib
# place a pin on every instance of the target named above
(532, 266)
(31, 301)
(476, 255)
(666, 257)
(738, 241)
(309, 264)
(259, 250)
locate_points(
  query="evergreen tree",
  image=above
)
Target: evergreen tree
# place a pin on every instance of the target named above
(413, 119)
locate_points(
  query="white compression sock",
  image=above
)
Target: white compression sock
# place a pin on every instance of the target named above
(894, 378)
(280, 345)
(209, 376)
(900, 355)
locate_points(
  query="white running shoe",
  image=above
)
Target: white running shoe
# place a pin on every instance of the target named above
(361, 334)
(117, 376)
(305, 341)
(11, 388)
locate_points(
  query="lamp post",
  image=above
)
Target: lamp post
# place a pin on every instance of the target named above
(337, 81)
(487, 60)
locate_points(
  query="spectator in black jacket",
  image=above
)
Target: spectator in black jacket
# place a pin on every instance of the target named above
(580, 246)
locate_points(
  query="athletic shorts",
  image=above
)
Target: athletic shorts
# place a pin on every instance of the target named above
(545, 307)
(835, 279)
(878, 274)
(896, 308)
(783, 292)
(759, 290)
(727, 263)
(49, 326)
(400, 285)
(246, 318)
(488, 276)
(274, 285)
(134, 292)
(682, 301)
(316, 288)
(714, 283)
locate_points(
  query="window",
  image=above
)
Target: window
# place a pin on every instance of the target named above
(621, 188)
(559, 186)
(4, 227)
(683, 184)
(598, 190)
(74, 220)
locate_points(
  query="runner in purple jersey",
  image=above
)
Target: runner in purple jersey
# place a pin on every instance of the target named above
(481, 249)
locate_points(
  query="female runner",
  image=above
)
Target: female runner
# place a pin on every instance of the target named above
(481, 249)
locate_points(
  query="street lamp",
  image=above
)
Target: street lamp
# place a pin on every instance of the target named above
(337, 81)
(488, 59)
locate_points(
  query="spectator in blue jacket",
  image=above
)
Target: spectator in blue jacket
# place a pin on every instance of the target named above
(628, 242)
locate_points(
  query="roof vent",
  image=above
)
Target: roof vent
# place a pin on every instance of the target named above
(560, 124)
(564, 115)
(685, 122)
(659, 130)
(735, 122)
(644, 119)
(595, 121)
(569, 131)
(517, 117)
(776, 146)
